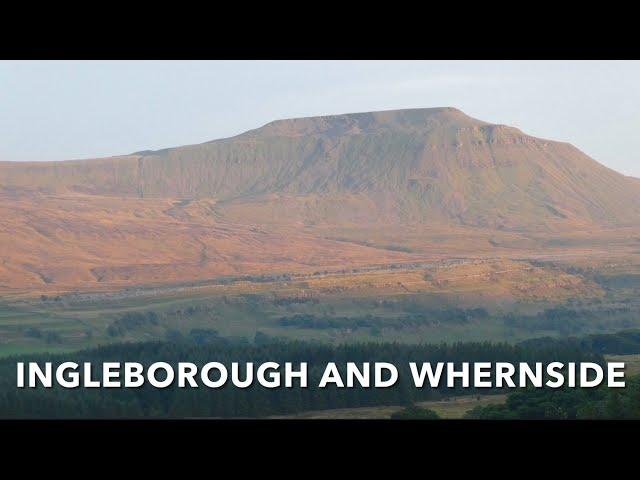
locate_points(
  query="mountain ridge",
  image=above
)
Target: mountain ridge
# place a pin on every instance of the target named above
(309, 195)
(414, 165)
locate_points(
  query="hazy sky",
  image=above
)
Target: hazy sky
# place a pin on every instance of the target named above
(51, 110)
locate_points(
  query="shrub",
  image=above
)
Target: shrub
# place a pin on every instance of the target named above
(413, 412)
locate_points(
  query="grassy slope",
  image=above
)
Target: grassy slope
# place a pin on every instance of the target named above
(453, 408)
(632, 363)
(241, 309)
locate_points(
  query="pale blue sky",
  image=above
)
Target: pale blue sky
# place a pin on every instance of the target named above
(51, 110)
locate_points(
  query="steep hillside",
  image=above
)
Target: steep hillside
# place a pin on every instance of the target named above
(305, 195)
(407, 166)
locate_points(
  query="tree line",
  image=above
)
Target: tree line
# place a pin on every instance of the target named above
(255, 401)
(566, 404)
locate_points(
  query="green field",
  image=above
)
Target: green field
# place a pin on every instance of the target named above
(75, 322)
(453, 408)
(632, 363)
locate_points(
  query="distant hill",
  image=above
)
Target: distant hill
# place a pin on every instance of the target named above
(304, 193)
(422, 165)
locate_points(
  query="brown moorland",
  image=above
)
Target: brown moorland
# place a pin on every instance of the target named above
(314, 194)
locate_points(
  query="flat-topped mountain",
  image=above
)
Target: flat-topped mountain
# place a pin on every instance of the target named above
(307, 194)
(417, 120)
(401, 166)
